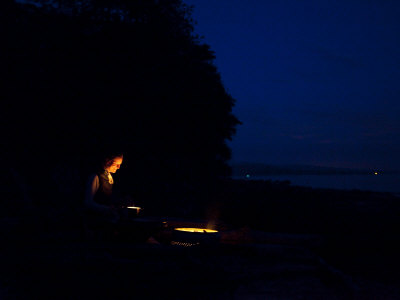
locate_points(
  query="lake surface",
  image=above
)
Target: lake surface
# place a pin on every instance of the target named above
(378, 183)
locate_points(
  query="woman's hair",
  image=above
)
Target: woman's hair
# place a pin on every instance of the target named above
(109, 159)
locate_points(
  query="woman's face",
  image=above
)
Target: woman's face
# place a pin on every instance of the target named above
(116, 164)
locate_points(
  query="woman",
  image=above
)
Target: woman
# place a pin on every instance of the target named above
(103, 215)
(98, 197)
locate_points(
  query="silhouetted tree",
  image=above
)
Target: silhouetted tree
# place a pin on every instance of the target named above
(85, 76)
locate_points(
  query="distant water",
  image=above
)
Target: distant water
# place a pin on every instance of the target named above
(377, 183)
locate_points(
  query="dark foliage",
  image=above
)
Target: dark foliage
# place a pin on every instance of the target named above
(131, 75)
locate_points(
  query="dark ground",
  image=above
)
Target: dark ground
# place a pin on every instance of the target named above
(276, 242)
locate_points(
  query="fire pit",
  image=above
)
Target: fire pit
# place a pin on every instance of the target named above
(188, 237)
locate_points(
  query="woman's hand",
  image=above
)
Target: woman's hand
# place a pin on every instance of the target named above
(113, 215)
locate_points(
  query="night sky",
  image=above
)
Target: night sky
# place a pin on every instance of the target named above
(315, 82)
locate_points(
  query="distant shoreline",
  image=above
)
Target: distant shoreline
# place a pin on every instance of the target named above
(257, 169)
(382, 183)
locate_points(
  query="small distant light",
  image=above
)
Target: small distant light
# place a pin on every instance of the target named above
(247, 175)
(376, 173)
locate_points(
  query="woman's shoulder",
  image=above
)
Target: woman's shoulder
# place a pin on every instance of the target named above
(93, 177)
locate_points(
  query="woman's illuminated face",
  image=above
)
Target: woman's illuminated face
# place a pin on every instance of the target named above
(116, 164)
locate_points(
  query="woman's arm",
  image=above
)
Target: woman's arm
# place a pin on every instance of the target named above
(92, 187)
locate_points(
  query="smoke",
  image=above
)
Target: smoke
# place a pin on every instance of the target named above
(212, 215)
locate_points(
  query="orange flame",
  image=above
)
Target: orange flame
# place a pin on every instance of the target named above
(201, 230)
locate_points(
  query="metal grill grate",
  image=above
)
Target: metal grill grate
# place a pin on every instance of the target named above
(184, 244)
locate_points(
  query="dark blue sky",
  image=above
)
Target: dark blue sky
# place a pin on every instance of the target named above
(316, 82)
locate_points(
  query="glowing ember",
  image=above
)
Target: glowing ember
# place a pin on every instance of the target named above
(201, 230)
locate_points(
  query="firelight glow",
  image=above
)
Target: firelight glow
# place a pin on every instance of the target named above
(201, 230)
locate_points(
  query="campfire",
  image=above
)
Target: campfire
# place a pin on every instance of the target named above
(188, 237)
(201, 230)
